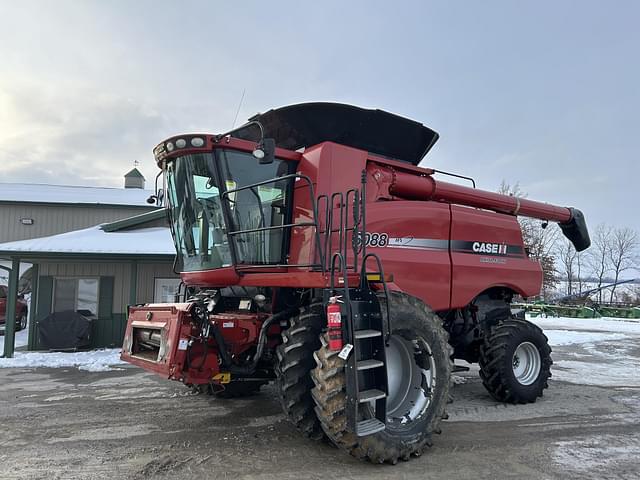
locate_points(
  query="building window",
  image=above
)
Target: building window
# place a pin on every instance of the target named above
(166, 290)
(77, 294)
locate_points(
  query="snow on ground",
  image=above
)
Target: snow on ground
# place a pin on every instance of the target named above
(594, 351)
(603, 324)
(22, 338)
(569, 337)
(591, 351)
(92, 361)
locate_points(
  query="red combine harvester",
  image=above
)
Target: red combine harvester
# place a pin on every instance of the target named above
(315, 252)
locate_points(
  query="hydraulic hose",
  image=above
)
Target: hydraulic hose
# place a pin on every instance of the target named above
(227, 361)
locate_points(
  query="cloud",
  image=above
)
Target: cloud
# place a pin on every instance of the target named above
(74, 135)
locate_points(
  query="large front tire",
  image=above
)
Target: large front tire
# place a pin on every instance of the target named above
(515, 361)
(408, 429)
(293, 369)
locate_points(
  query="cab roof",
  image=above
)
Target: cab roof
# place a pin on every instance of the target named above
(376, 131)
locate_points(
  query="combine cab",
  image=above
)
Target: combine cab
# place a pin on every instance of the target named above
(316, 254)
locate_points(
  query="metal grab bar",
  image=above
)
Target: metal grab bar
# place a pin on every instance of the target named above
(314, 207)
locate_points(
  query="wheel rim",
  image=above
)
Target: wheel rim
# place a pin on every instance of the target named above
(411, 376)
(23, 322)
(526, 363)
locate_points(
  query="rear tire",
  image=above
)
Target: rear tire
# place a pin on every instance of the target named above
(515, 361)
(293, 369)
(404, 436)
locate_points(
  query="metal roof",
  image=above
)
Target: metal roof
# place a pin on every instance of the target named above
(68, 194)
(142, 242)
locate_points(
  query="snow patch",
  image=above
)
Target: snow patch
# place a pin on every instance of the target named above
(596, 453)
(609, 374)
(91, 361)
(568, 337)
(594, 351)
(22, 339)
(603, 324)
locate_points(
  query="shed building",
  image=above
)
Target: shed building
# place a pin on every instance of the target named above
(98, 270)
(37, 210)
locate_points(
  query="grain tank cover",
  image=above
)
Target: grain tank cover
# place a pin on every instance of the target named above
(376, 131)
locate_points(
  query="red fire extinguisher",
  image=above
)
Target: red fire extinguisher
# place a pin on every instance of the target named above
(334, 324)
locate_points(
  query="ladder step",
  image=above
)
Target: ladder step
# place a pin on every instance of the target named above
(367, 364)
(369, 427)
(368, 395)
(360, 334)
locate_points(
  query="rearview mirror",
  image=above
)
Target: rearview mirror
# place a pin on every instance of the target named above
(265, 151)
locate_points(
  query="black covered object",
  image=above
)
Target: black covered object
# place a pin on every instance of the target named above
(65, 330)
(376, 131)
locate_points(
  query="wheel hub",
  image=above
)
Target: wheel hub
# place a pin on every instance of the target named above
(526, 363)
(411, 376)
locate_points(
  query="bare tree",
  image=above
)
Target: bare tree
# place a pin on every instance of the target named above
(623, 254)
(539, 238)
(598, 255)
(567, 255)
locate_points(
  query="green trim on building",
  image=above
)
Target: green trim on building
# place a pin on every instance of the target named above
(105, 298)
(10, 312)
(44, 304)
(134, 221)
(35, 280)
(108, 332)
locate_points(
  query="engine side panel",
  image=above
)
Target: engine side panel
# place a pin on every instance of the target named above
(414, 247)
(487, 251)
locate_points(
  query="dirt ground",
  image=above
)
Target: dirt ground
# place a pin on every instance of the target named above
(66, 423)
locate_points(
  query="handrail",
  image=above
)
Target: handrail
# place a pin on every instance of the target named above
(322, 262)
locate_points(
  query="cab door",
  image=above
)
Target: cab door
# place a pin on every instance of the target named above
(412, 239)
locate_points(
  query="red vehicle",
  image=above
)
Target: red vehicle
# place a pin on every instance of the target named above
(318, 207)
(21, 310)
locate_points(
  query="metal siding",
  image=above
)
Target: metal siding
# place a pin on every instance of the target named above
(52, 219)
(107, 331)
(118, 270)
(147, 273)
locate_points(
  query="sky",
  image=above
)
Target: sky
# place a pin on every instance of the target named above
(544, 93)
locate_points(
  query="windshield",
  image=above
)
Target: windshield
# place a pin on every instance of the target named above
(204, 217)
